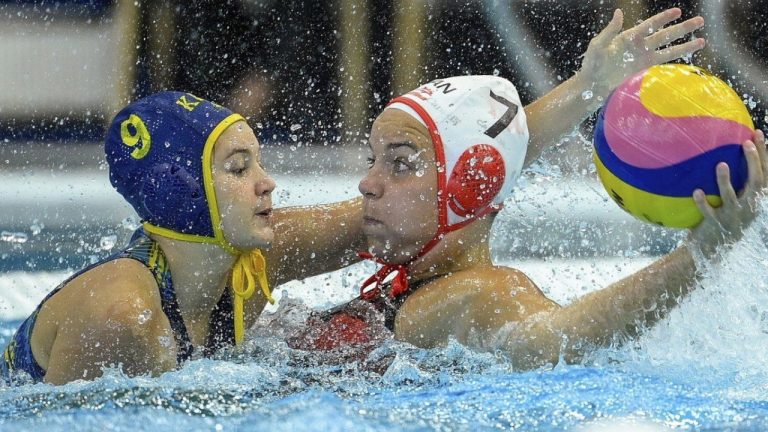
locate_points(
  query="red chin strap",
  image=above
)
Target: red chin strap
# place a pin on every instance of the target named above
(399, 283)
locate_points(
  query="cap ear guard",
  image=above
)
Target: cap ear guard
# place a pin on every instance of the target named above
(170, 186)
(476, 179)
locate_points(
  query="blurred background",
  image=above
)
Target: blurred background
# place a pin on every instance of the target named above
(310, 76)
(315, 72)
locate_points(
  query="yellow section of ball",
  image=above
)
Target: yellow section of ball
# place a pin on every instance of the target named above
(673, 212)
(697, 93)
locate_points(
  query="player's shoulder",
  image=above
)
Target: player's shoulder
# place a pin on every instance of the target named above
(114, 290)
(481, 284)
(486, 277)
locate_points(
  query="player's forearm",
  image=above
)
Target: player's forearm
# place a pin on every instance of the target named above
(621, 310)
(558, 112)
(314, 240)
(628, 306)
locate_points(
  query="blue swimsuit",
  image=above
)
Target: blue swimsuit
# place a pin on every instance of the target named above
(18, 354)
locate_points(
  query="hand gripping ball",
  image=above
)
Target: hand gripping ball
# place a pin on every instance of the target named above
(660, 136)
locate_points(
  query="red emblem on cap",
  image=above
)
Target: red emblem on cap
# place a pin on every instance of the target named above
(477, 178)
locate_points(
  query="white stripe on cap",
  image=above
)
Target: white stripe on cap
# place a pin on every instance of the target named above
(408, 110)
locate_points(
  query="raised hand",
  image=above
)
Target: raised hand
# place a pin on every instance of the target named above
(614, 54)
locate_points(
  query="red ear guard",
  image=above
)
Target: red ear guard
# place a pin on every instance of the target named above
(477, 178)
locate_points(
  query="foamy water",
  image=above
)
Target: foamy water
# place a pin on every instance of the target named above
(702, 368)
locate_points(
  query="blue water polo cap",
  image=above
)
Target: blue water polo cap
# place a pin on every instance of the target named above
(159, 150)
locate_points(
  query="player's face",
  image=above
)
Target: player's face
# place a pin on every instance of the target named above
(400, 189)
(243, 188)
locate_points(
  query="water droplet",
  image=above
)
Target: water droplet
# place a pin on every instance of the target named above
(36, 228)
(130, 223)
(587, 95)
(312, 255)
(108, 242)
(749, 101)
(166, 341)
(167, 144)
(414, 156)
(144, 316)
(420, 172)
(295, 127)
(628, 57)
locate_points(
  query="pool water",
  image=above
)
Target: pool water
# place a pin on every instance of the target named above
(703, 368)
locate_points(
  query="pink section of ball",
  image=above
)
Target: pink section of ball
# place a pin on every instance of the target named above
(657, 142)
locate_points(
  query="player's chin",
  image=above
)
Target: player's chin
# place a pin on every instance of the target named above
(387, 250)
(257, 238)
(264, 237)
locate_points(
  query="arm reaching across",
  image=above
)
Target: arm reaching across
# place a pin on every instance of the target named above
(612, 56)
(314, 239)
(309, 241)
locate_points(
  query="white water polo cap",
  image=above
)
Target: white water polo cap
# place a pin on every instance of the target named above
(479, 132)
(480, 137)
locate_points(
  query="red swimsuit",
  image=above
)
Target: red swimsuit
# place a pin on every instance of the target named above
(353, 329)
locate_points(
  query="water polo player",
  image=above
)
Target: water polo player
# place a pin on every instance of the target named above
(192, 171)
(444, 158)
(424, 242)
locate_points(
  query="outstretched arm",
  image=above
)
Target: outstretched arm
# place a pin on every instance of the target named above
(640, 300)
(309, 241)
(606, 64)
(313, 240)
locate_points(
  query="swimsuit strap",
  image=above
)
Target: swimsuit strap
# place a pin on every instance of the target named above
(222, 324)
(147, 251)
(384, 303)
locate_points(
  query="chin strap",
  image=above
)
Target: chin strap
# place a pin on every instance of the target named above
(249, 268)
(399, 282)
